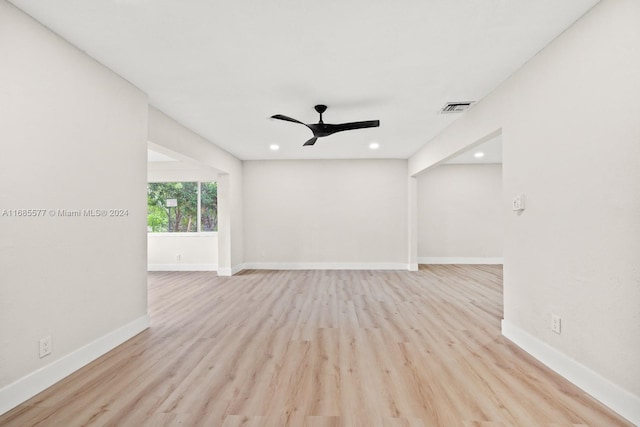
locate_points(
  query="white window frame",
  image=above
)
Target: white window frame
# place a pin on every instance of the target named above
(198, 231)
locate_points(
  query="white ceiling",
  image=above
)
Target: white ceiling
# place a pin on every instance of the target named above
(491, 153)
(222, 68)
(155, 157)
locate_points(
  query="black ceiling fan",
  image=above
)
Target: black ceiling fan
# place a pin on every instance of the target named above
(322, 129)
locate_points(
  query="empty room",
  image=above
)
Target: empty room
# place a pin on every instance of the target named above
(305, 213)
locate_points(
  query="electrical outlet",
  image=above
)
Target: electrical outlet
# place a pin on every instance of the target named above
(518, 203)
(556, 323)
(45, 346)
(178, 257)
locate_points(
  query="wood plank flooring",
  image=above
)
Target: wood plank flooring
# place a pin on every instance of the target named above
(318, 349)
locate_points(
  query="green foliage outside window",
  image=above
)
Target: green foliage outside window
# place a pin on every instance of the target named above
(173, 207)
(208, 206)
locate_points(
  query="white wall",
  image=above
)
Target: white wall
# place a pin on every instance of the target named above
(181, 251)
(460, 215)
(570, 124)
(325, 213)
(72, 136)
(169, 137)
(179, 172)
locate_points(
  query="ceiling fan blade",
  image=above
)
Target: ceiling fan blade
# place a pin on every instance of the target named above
(355, 125)
(321, 128)
(287, 119)
(311, 141)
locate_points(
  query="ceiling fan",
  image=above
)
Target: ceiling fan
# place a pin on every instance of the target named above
(322, 129)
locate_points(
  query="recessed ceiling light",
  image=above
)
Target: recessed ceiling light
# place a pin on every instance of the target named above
(274, 147)
(478, 155)
(374, 145)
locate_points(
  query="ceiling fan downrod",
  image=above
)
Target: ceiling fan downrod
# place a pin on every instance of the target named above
(320, 109)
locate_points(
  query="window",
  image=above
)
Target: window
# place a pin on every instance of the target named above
(182, 207)
(208, 206)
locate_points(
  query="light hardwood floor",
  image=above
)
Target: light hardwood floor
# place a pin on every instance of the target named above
(318, 348)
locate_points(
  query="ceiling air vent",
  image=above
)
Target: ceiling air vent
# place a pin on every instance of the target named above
(456, 107)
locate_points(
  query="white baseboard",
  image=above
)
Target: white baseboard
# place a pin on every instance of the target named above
(28, 386)
(460, 260)
(326, 266)
(227, 272)
(224, 272)
(618, 399)
(182, 267)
